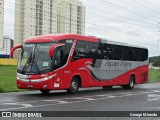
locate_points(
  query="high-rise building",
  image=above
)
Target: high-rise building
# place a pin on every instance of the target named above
(34, 17)
(1, 22)
(7, 46)
(71, 17)
(40, 17)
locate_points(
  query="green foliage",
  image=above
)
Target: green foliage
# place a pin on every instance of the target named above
(154, 75)
(8, 79)
(155, 61)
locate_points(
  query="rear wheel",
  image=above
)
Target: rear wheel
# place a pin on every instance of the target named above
(45, 91)
(74, 86)
(131, 83)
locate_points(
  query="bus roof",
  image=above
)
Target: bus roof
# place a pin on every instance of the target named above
(56, 37)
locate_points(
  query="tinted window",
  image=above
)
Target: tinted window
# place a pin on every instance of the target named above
(85, 50)
(108, 51)
(136, 54)
(142, 54)
(62, 53)
(118, 52)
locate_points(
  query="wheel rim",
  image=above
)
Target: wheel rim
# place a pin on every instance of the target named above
(74, 86)
(131, 83)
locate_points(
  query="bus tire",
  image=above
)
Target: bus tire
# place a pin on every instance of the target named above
(74, 86)
(107, 87)
(45, 91)
(131, 83)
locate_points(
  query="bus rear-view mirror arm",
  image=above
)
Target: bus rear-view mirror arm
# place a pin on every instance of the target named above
(13, 49)
(53, 47)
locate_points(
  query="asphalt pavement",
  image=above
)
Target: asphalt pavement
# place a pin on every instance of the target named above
(145, 97)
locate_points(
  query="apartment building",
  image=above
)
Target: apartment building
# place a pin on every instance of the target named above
(71, 17)
(35, 17)
(1, 22)
(40, 17)
(7, 45)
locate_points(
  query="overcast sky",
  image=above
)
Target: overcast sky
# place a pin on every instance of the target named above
(129, 21)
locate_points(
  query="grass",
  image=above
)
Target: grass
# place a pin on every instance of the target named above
(8, 78)
(154, 75)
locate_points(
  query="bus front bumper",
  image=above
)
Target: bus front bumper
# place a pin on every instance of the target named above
(47, 83)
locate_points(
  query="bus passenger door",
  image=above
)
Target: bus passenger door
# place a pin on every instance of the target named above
(81, 61)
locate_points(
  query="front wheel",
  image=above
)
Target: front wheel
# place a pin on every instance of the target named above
(45, 91)
(74, 86)
(131, 83)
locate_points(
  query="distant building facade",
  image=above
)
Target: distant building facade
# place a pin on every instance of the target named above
(7, 45)
(1, 22)
(40, 17)
(71, 17)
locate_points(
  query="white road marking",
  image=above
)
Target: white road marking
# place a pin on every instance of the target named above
(25, 105)
(86, 98)
(69, 98)
(130, 94)
(151, 108)
(55, 100)
(111, 96)
(153, 97)
(155, 90)
(62, 102)
(6, 99)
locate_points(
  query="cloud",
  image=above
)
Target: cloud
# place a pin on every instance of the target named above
(121, 28)
(110, 22)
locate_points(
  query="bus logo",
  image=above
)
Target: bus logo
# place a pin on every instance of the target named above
(69, 41)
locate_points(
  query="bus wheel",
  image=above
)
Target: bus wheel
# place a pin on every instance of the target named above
(131, 83)
(45, 91)
(107, 87)
(74, 86)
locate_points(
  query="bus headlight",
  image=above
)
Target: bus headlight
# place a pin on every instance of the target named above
(36, 80)
(47, 78)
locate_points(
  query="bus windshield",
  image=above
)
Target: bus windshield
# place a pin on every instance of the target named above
(34, 58)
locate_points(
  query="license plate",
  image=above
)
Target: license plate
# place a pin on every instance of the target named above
(30, 86)
(56, 84)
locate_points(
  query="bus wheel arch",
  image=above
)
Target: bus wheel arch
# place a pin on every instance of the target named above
(74, 84)
(79, 79)
(131, 83)
(134, 78)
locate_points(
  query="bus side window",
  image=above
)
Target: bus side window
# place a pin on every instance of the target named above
(99, 52)
(134, 54)
(93, 47)
(142, 54)
(85, 50)
(125, 53)
(58, 58)
(118, 51)
(80, 50)
(108, 51)
(130, 56)
(145, 54)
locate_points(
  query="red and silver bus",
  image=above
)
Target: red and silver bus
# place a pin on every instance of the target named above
(71, 61)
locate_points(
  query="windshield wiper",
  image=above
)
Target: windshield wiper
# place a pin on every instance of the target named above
(27, 63)
(34, 61)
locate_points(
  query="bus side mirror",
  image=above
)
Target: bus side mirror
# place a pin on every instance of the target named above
(13, 49)
(53, 48)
